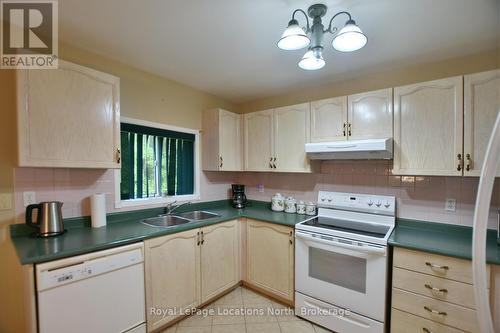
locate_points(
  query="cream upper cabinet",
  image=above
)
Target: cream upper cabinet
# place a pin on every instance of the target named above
(329, 119)
(222, 141)
(370, 115)
(172, 273)
(270, 258)
(68, 117)
(219, 259)
(291, 133)
(482, 102)
(428, 128)
(258, 140)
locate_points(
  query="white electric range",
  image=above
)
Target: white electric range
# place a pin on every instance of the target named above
(341, 260)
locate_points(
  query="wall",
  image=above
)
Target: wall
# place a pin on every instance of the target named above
(12, 313)
(381, 78)
(421, 198)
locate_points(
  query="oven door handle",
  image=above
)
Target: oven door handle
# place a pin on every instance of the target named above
(363, 248)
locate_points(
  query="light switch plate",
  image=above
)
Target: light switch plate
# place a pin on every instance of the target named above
(29, 198)
(5, 201)
(450, 205)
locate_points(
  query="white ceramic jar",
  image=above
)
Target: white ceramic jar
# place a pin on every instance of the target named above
(278, 202)
(301, 207)
(290, 205)
(310, 208)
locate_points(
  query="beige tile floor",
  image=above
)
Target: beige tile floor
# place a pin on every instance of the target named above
(225, 316)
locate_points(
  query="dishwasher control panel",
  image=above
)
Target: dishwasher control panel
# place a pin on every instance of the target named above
(49, 276)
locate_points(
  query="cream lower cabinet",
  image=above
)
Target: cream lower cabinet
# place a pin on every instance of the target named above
(428, 128)
(432, 293)
(186, 269)
(173, 276)
(482, 102)
(219, 259)
(222, 141)
(68, 117)
(270, 258)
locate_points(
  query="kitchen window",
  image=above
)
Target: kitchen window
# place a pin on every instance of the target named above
(158, 164)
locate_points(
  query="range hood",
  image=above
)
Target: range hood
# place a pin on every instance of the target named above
(371, 149)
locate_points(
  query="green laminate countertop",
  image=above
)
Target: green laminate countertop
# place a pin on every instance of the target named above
(124, 228)
(446, 239)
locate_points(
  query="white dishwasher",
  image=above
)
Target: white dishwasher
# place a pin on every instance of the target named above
(100, 292)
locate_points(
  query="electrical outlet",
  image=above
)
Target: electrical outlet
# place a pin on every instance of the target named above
(5, 201)
(29, 198)
(450, 205)
(260, 188)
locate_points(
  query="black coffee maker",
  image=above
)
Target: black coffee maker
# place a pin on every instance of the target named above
(239, 197)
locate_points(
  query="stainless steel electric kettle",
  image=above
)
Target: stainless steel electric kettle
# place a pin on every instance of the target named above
(49, 221)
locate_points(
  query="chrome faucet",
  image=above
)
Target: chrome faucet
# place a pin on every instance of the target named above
(171, 207)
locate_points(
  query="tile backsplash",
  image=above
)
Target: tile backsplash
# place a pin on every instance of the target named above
(418, 197)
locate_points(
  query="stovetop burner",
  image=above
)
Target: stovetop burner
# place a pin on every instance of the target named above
(353, 227)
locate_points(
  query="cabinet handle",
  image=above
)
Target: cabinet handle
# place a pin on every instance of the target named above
(441, 313)
(468, 166)
(440, 290)
(118, 155)
(291, 242)
(426, 330)
(274, 164)
(343, 131)
(202, 238)
(431, 265)
(221, 162)
(271, 163)
(198, 238)
(349, 131)
(460, 162)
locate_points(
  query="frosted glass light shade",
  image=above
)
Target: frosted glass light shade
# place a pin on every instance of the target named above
(293, 38)
(350, 38)
(312, 60)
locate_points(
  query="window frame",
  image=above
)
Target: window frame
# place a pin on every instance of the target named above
(158, 201)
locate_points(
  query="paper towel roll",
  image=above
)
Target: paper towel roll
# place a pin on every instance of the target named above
(98, 208)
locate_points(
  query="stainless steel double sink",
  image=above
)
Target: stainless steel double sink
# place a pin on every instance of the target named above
(170, 220)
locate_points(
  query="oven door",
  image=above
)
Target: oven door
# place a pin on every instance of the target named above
(345, 273)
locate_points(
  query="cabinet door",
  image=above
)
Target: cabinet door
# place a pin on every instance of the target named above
(259, 142)
(291, 133)
(370, 115)
(229, 141)
(172, 275)
(219, 259)
(270, 258)
(428, 128)
(329, 119)
(482, 102)
(68, 117)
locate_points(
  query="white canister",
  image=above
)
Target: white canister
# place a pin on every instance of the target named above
(278, 202)
(290, 205)
(301, 207)
(310, 208)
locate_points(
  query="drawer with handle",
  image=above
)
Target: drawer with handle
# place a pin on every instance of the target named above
(434, 264)
(402, 322)
(435, 287)
(438, 311)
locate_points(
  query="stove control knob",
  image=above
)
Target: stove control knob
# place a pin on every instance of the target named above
(378, 204)
(370, 203)
(387, 204)
(330, 200)
(323, 199)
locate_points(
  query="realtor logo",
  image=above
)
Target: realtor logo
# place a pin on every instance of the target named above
(29, 36)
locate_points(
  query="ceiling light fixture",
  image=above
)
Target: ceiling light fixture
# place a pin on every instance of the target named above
(349, 38)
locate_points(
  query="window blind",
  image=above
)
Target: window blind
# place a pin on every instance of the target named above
(155, 162)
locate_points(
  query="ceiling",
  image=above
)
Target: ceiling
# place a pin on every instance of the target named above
(228, 47)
